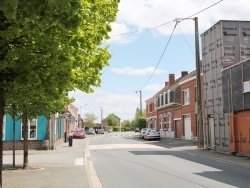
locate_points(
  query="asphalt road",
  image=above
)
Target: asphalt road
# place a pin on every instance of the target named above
(117, 160)
(122, 161)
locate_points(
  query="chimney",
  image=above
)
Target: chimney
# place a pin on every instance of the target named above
(166, 83)
(184, 73)
(171, 79)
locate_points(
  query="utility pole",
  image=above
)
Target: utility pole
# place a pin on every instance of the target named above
(140, 103)
(200, 134)
(101, 118)
(14, 132)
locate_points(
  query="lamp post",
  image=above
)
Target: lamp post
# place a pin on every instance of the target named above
(101, 113)
(101, 117)
(66, 115)
(140, 103)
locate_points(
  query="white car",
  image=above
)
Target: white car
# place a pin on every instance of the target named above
(142, 133)
(151, 134)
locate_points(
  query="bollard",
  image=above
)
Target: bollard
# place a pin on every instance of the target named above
(70, 140)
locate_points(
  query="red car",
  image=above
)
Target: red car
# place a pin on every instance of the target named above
(79, 133)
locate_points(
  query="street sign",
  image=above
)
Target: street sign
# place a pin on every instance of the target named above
(246, 87)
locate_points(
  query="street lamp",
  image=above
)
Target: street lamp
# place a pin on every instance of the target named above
(101, 117)
(140, 103)
(101, 113)
(66, 115)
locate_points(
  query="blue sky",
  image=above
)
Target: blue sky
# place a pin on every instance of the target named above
(136, 56)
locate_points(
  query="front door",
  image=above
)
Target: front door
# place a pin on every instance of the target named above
(211, 132)
(187, 127)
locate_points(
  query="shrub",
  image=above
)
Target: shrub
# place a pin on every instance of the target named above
(116, 128)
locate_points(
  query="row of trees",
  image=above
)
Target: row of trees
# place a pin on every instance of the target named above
(139, 121)
(48, 48)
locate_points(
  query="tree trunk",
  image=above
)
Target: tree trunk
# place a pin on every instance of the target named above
(2, 103)
(25, 141)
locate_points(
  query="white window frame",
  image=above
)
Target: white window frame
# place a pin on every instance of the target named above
(186, 97)
(169, 96)
(164, 98)
(29, 130)
(4, 126)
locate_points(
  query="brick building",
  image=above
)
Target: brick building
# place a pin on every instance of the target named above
(173, 109)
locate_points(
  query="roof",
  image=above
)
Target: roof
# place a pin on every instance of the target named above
(175, 85)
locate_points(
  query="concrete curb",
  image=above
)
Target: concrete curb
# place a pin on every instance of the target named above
(90, 169)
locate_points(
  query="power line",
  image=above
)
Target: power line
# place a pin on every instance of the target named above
(161, 56)
(202, 10)
(141, 31)
(151, 28)
(186, 41)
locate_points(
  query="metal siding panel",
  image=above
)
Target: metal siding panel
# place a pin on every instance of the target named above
(237, 91)
(231, 47)
(246, 77)
(244, 31)
(225, 90)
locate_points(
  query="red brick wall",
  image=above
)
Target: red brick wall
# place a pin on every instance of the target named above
(190, 109)
(162, 112)
(33, 144)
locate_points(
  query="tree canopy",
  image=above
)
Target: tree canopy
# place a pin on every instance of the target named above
(112, 120)
(89, 119)
(48, 48)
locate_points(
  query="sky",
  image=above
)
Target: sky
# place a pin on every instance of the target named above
(146, 46)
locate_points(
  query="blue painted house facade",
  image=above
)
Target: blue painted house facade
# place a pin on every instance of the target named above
(42, 133)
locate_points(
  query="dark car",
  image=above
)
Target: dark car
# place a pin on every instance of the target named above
(137, 130)
(79, 133)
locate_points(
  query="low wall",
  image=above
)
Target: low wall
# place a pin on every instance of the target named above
(33, 144)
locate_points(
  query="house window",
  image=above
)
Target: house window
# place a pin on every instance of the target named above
(4, 125)
(166, 98)
(162, 100)
(32, 130)
(186, 97)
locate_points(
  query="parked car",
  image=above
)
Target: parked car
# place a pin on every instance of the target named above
(152, 134)
(100, 131)
(79, 133)
(91, 131)
(137, 130)
(142, 133)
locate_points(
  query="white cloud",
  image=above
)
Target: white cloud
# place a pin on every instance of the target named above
(117, 34)
(154, 87)
(141, 14)
(123, 106)
(137, 72)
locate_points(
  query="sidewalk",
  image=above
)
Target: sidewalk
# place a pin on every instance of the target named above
(63, 167)
(190, 147)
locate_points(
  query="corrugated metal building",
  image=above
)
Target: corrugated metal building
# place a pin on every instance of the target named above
(224, 44)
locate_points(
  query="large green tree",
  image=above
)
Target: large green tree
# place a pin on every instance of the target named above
(112, 120)
(48, 48)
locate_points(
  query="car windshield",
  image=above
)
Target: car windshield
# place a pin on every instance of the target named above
(79, 130)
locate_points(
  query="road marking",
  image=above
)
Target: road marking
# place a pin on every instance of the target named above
(79, 161)
(120, 146)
